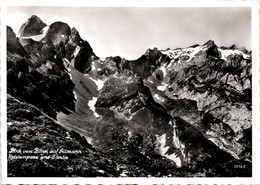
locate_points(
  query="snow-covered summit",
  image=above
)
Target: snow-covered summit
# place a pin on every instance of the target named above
(225, 53)
(183, 53)
(188, 53)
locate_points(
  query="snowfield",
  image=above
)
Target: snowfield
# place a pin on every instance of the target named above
(161, 144)
(91, 104)
(179, 52)
(162, 87)
(99, 83)
(227, 52)
(40, 36)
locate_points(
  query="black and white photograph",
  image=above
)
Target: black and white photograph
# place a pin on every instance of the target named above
(129, 91)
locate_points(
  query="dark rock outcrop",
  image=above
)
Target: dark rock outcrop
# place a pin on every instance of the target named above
(30, 80)
(13, 44)
(33, 26)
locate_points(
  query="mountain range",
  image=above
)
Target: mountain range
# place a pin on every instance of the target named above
(181, 112)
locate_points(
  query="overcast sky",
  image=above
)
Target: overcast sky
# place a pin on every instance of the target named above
(128, 31)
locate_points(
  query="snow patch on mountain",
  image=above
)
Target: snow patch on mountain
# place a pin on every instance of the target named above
(75, 95)
(163, 69)
(129, 133)
(158, 98)
(124, 173)
(93, 66)
(91, 104)
(66, 63)
(89, 139)
(70, 76)
(40, 36)
(126, 112)
(184, 53)
(76, 51)
(227, 52)
(170, 53)
(99, 83)
(163, 148)
(162, 87)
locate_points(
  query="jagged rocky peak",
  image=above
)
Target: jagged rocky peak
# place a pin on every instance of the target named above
(187, 54)
(75, 37)
(59, 28)
(58, 32)
(57, 40)
(149, 51)
(153, 53)
(194, 46)
(212, 49)
(209, 43)
(10, 33)
(236, 47)
(33, 26)
(13, 44)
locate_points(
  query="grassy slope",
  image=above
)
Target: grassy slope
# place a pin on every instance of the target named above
(28, 128)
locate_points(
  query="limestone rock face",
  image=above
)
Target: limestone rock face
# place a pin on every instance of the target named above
(33, 26)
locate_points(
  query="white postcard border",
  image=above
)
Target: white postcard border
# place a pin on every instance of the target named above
(153, 3)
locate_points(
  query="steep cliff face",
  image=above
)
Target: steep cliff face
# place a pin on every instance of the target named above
(13, 44)
(36, 76)
(33, 26)
(219, 80)
(180, 110)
